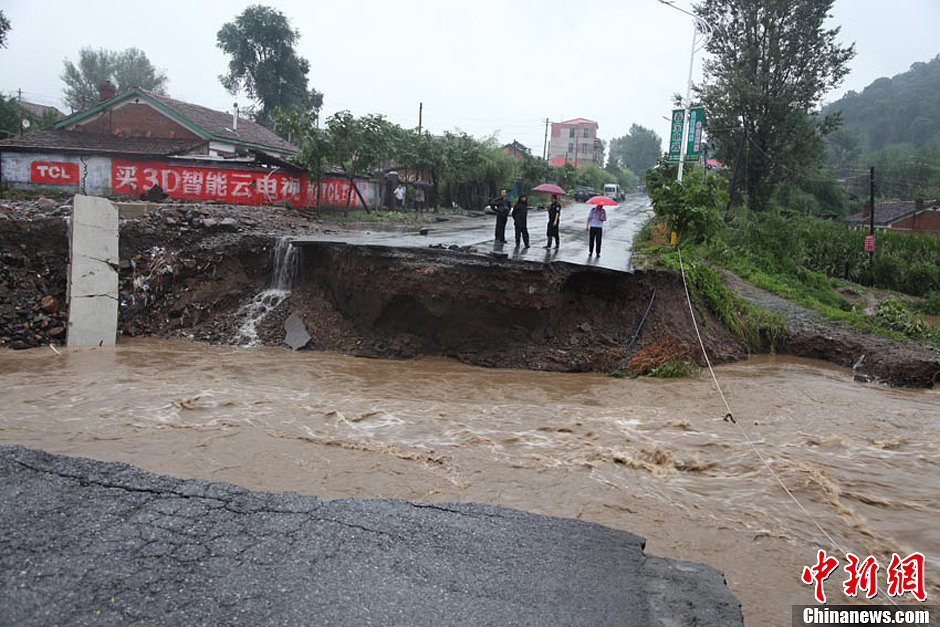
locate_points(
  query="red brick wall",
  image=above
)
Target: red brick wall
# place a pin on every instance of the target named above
(136, 120)
(926, 221)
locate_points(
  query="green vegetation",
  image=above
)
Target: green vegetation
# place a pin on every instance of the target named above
(265, 64)
(798, 257)
(126, 69)
(4, 28)
(636, 151)
(672, 368)
(893, 125)
(771, 62)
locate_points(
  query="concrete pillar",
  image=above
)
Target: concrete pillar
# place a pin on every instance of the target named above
(93, 273)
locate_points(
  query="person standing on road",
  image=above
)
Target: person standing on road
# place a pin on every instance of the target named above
(500, 205)
(520, 217)
(419, 197)
(554, 217)
(595, 224)
(400, 196)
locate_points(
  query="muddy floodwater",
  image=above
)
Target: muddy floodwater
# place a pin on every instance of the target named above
(653, 457)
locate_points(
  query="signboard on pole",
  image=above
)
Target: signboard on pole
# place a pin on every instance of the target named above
(869, 243)
(693, 149)
(675, 135)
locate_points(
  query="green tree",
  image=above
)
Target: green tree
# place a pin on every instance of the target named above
(771, 63)
(4, 28)
(126, 69)
(358, 145)
(264, 63)
(637, 151)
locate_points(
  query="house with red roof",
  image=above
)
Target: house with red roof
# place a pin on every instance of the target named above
(575, 141)
(132, 141)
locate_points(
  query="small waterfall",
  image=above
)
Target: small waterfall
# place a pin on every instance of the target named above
(266, 301)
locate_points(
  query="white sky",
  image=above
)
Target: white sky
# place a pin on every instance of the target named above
(483, 66)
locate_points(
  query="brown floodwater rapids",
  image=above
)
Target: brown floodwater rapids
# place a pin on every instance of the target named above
(650, 456)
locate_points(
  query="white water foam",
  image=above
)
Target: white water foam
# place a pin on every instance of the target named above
(266, 301)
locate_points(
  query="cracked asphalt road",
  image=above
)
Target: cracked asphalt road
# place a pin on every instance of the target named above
(94, 543)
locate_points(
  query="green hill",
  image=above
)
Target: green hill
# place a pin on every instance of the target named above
(903, 109)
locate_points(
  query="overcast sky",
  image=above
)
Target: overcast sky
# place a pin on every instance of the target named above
(482, 66)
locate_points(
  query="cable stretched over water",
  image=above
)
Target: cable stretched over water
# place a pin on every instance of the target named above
(730, 417)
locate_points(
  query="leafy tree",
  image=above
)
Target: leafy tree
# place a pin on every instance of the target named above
(638, 150)
(772, 61)
(12, 116)
(126, 69)
(4, 27)
(264, 63)
(691, 207)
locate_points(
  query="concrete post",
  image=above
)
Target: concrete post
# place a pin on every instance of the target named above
(93, 273)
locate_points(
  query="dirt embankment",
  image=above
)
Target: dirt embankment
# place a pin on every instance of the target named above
(188, 271)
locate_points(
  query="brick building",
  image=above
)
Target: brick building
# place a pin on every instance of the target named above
(575, 141)
(129, 142)
(918, 215)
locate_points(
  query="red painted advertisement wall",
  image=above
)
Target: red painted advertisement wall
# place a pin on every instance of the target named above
(245, 187)
(53, 172)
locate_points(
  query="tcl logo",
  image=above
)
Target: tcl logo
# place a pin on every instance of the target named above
(53, 172)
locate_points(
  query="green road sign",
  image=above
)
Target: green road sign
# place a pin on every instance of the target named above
(693, 147)
(675, 135)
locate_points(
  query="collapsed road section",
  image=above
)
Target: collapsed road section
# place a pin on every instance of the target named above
(94, 543)
(210, 273)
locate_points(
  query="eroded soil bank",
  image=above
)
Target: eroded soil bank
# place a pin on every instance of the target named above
(191, 271)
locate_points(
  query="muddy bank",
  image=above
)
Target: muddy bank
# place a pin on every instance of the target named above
(873, 358)
(189, 271)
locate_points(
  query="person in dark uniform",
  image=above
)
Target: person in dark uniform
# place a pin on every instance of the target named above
(500, 205)
(554, 217)
(520, 218)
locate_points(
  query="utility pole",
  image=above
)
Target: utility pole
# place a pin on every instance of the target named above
(420, 116)
(545, 144)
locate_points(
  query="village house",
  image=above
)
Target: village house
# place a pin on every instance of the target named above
(918, 216)
(516, 149)
(575, 141)
(132, 141)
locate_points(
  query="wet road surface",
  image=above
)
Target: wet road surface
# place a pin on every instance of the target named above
(623, 222)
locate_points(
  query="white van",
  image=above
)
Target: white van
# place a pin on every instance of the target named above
(612, 190)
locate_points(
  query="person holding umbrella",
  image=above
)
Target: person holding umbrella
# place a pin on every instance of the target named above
(595, 221)
(554, 210)
(520, 216)
(554, 217)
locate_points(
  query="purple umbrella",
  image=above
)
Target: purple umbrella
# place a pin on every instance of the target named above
(550, 188)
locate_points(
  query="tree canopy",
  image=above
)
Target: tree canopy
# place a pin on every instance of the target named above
(125, 69)
(772, 61)
(4, 27)
(264, 63)
(637, 151)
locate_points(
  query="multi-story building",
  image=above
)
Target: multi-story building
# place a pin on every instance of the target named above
(576, 142)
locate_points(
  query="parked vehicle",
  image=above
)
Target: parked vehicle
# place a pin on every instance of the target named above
(582, 193)
(612, 190)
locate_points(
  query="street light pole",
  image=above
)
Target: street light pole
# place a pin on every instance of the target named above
(688, 104)
(705, 27)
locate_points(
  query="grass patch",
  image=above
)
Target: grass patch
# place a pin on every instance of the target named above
(673, 368)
